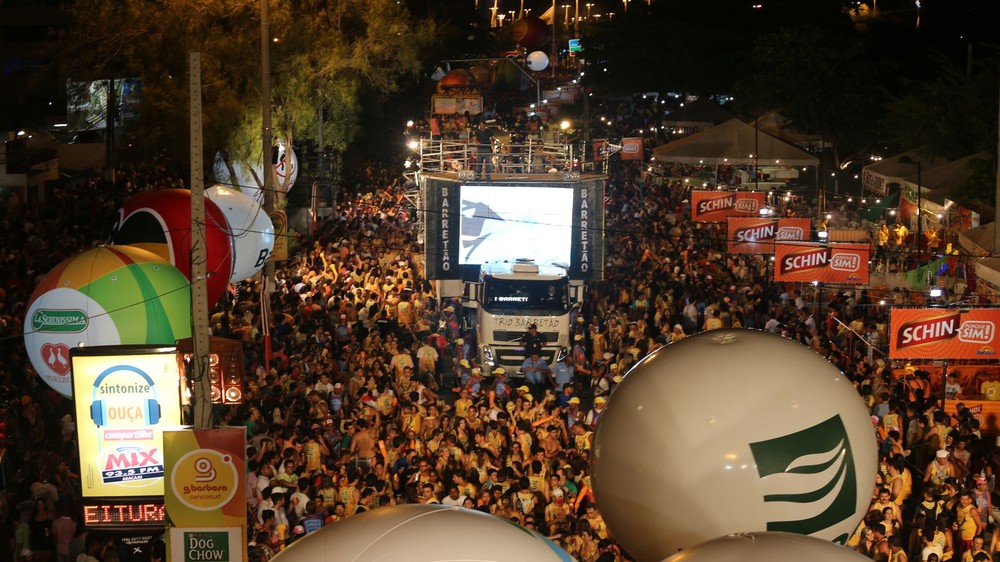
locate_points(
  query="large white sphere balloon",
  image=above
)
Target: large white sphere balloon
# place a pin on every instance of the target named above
(767, 547)
(423, 533)
(732, 431)
(250, 227)
(287, 167)
(537, 60)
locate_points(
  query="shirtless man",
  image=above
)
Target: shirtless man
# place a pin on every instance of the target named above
(363, 446)
(550, 443)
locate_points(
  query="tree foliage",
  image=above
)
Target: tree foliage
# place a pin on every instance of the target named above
(952, 114)
(327, 59)
(820, 80)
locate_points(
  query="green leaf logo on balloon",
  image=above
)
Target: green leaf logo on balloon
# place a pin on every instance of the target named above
(814, 468)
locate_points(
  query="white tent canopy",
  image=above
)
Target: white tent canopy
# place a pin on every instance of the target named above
(733, 142)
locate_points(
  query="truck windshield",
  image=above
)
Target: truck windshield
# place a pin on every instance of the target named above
(525, 294)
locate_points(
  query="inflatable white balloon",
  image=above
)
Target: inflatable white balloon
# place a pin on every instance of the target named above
(767, 547)
(287, 166)
(732, 431)
(537, 60)
(250, 227)
(423, 533)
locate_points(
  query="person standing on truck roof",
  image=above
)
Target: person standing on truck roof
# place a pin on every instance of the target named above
(484, 150)
(533, 341)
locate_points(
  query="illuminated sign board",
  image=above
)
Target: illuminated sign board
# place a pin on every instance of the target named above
(124, 398)
(124, 514)
(553, 222)
(943, 333)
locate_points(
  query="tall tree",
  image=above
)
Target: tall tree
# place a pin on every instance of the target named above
(327, 57)
(820, 80)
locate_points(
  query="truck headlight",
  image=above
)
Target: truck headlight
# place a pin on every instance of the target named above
(561, 354)
(488, 353)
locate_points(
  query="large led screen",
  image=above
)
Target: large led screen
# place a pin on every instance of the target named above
(503, 222)
(467, 224)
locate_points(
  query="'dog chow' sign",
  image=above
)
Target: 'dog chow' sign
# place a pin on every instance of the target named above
(758, 236)
(936, 333)
(716, 206)
(824, 263)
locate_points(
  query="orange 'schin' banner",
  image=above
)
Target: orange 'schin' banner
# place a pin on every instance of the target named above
(716, 206)
(823, 263)
(941, 333)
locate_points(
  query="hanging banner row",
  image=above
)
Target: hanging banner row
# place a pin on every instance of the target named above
(942, 333)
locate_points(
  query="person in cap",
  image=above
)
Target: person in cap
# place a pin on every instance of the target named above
(500, 390)
(677, 334)
(558, 512)
(533, 341)
(462, 370)
(563, 398)
(939, 469)
(594, 413)
(981, 496)
(573, 414)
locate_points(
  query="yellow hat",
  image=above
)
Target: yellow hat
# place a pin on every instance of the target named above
(529, 397)
(600, 400)
(574, 400)
(464, 363)
(617, 379)
(523, 388)
(499, 371)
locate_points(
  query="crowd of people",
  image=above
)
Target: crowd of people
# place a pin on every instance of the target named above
(373, 395)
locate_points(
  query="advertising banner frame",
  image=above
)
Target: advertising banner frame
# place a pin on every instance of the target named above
(807, 262)
(944, 333)
(114, 388)
(749, 235)
(708, 205)
(206, 477)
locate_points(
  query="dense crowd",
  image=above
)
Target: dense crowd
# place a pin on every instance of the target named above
(373, 395)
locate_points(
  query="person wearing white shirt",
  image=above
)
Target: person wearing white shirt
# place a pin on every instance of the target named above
(454, 497)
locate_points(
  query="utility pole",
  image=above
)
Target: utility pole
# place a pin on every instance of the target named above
(996, 201)
(267, 139)
(200, 378)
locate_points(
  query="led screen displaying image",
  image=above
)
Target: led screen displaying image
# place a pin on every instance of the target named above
(87, 102)
(505, 222)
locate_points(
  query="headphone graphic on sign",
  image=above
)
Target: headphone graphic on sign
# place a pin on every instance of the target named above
(99, 410)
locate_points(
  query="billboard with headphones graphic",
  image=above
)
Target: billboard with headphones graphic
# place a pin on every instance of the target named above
(125, 396)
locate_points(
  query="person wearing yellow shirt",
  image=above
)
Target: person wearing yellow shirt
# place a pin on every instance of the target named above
(596, 522)
(991, 388)
(970, 525)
